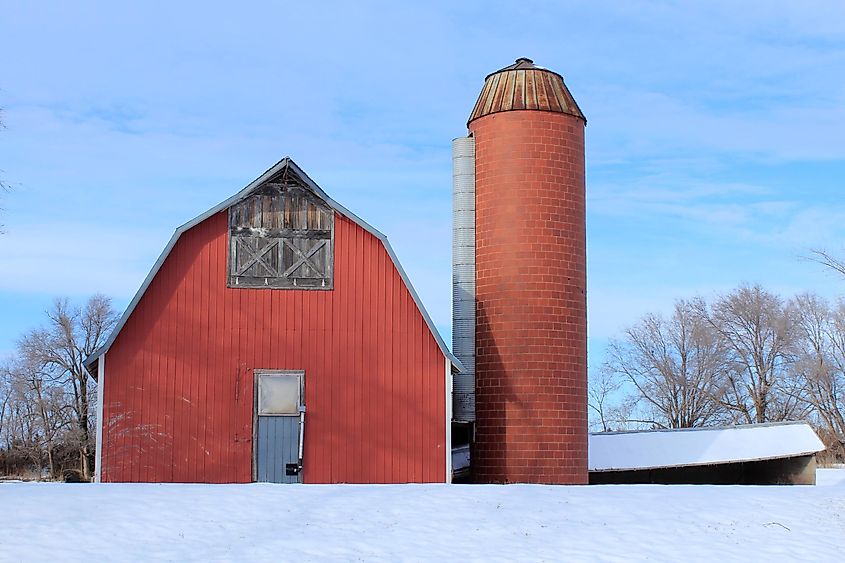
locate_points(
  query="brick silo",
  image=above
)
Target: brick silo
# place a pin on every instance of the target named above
(530, 278)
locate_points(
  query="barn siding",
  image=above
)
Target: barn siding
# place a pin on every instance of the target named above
(178, 384)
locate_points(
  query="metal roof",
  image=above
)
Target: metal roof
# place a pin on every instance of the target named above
(286, 162)
(524, 85)
(654, 449)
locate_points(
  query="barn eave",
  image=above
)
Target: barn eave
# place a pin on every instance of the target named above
(286, 162)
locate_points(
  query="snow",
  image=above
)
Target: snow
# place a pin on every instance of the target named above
(700, 446)
(262, 522)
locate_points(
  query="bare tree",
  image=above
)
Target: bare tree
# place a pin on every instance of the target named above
(38, 414)
(827, 259)
(5, 396)
(757, 329)
(602, 388)
(820, 361)
(58, 350)
(676, 366)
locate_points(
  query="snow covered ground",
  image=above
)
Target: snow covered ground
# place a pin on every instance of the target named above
(58, 522)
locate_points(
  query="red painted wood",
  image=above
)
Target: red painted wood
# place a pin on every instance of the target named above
(178, 385)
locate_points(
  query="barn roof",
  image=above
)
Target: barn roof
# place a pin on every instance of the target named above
(654, 449)
(280, 166)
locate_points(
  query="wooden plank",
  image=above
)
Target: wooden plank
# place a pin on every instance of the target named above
(263, 232)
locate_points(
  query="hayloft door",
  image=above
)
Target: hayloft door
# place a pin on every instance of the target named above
(279, 426)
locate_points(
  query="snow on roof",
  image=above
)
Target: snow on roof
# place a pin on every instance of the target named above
(651, 449)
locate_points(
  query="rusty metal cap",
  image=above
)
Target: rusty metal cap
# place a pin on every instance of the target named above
(524, 86)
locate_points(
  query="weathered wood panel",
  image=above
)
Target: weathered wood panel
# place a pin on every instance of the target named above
(281, 236)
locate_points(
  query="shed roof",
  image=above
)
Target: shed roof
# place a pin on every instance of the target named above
(653, 449)
(285, 163)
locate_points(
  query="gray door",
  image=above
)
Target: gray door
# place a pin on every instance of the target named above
(278, 419)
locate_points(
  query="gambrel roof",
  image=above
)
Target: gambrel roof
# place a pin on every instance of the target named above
(282, 165)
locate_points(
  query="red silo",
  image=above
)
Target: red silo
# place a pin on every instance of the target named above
(531, 307)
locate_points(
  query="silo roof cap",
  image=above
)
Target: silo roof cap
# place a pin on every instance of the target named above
(525, 86)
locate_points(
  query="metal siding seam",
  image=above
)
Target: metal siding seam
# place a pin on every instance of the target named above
(376, 399)
(329, 400)
(407, 359)
(390, 403)
(373, 391)
(235, 414)
(410, 380)
(194, 338)
(383, 397)
(401, 430)
(365, 453)
(431, 424)
(121, 403)
(196, 398)
(225, 395)
(328, 359)
(165, 373)
(200, 404)
(182, 428)
(413, 382)
(425, 380)
(201, 408)
(427, 398)
(142, 385)
(177, 364)
(98, 448)
(360, 318)
(312, 336)
(312, 385)
(349, 383)
(337, 327)
(183, 464)
(348, 405)
(343, 382)
(448, 421)
(244, 372)
(138, 405)
(155, 380)
(323, 349)
(227, 361)
(215, 343)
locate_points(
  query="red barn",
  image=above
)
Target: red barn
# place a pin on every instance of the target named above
(277, 338)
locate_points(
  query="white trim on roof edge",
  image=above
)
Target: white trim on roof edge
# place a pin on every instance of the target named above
(285, 162)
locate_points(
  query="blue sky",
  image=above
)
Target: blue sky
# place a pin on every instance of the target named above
(715, 144)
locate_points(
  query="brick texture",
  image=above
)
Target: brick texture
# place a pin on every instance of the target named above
(531, 333)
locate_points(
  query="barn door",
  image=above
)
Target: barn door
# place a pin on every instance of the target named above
(279, 419)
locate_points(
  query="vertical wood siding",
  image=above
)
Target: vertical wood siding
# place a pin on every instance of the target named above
(178, 384)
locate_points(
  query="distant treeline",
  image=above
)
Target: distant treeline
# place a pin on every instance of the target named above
(747, 356)
(47, 399)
